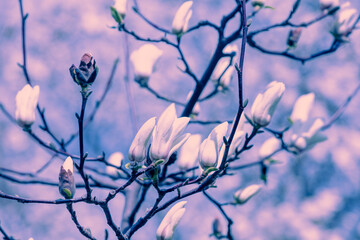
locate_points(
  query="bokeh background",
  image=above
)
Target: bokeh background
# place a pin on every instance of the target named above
(314, 195)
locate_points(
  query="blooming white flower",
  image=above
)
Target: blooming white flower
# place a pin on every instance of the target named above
(242, 196)
(26, 101)
(182, 17)
(265, 104)
(344, 22)
(167, 226)
(304, 135)
(137, 150)
(167, 135)
(210, 147)
(115, 159)
(66, 179)
(269, 147)
(223, 72)
(329, 5)
(196, 109)
(304, 132)
(188, 153)
(302, 107)
(144, 60)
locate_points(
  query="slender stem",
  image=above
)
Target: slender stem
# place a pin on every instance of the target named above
(81, 144)
(85, 232)
(6, 236)
(228, 219)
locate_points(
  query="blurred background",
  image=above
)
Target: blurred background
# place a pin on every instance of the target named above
(311, 196)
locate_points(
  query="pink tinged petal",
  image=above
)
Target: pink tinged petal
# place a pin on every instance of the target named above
(189, 152)
(269, 147)
(144, 60)
(26, 102)
(177, 144)
(208, 154)
(68, 164)
(138, 146)
(182, 17)
(302, 107)
(120, 6)
(242, 196)
(218, 133)
(171, 220)
(115, 159)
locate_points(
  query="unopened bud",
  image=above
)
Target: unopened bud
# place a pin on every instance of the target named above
(242, 196)
(66, 179)
(293, 38)
(86, 74)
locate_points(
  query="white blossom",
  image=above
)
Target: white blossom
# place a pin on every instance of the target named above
(210, 147)
(115, 159)
(137, 150)
(167, 226)
(120, 6)
(26, 102)
(345, 20)
(269, 147)
(144, 60)
(265, 103)
(302, 107)
(182, 17)
(188, 153)
(242, 196)
(167, 135)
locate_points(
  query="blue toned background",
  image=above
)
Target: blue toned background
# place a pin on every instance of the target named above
(311, 196)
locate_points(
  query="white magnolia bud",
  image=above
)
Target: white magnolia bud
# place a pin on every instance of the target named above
(242, 196)
(144, 60)
(167, 136)
(66, 179)
(167, 226)
(265, 104)
(210, 147)
(344, 23)
(137, 150)
(120, 6)
(182, 17)
(269, 147)
(188, 153)
(196, 110)
(115, 159)
(302, 107)
(26, 102)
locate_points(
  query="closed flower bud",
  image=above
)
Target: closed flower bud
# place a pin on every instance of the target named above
(115, 159)
(144, 60)
(86, 74)
(167, 136)
(217, 228)
(293, 38)
(118, 10)
(302, 107)
(26, 102)
(196, 110)
(167, 226)
(66, 179)
(188, 153)
(242, 196)
(265, 104)
(137, 150)
(269, 147)
(182, 17)
(344, 23)
(223, 72)
(210, 147)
